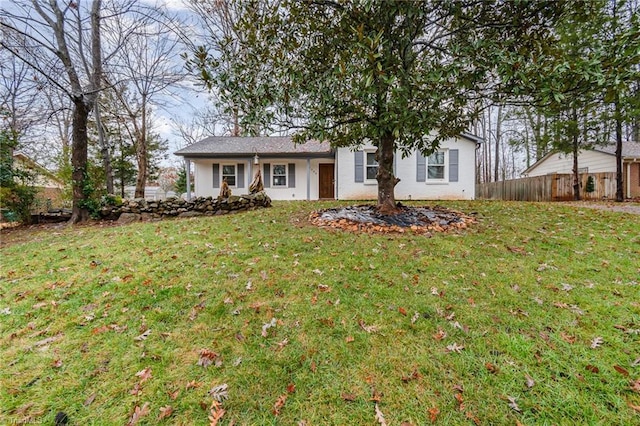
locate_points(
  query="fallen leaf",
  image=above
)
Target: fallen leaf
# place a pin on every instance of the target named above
(635, 385)
(144, 374)
(454, 347)
(491, 368)
(279, 404)
(193, 385)
(529, 381)
(174, 395)
(220, 392)
(367, 328)
(380, 416)
(348, 397)
(57, 363)
(402, 311)
(267, 326)
(597, 342)
(592, 368)
(282, 344)
(165, 412)
(433, 414)
(415, 317)
(568, 338)
(89, 399)
(349, 339)
(415, 375)
(138, 413)
(460, 400)
(512, 404)
(634, 407)
(441, 334)
(621, 370)
(207, 357)
(636, 363)
(216, 412)
(291, 388)
(143, 336)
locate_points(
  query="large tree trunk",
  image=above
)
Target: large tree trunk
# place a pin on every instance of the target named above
(619, 179)
(79, 176)
(141, 152)
(386, 179)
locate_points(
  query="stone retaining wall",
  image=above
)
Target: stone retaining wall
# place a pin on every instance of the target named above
(140, 209)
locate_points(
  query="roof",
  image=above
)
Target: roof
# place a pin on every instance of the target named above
(630, 150)
(225, 146)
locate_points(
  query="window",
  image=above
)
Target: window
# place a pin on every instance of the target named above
(435, 166)
(229, 173)
(279, 173)
(371, 166)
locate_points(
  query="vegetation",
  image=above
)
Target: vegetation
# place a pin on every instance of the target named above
(17, 193)
(529, 317)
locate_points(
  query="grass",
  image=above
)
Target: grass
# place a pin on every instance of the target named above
(360, 320)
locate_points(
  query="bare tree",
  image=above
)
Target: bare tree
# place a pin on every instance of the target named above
(148, 66)
(50, 38)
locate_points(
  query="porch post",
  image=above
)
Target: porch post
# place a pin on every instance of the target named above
(187, 167)
(308, 179)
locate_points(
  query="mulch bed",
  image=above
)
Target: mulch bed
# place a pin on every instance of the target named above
(419, 220)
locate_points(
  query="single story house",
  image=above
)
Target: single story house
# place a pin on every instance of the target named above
(314, 170)
(597, 160)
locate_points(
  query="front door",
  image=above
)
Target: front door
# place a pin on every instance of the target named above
(326, 179)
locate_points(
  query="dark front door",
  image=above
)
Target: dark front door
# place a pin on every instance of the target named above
(326, 187)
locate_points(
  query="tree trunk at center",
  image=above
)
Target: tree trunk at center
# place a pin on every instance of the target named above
(79, 161)
(385, 177)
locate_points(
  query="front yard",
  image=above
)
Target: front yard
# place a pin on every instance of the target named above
(530, 316)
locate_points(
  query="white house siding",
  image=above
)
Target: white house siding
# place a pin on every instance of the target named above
(409, 188)
(590, 161)
(204, 181)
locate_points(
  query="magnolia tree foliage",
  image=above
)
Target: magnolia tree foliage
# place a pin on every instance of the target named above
(400, 75)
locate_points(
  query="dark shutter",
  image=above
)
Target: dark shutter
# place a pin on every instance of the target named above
(359, 166)
(453, 165)
(292, 175)
(240, 176)
(216, 175)
(421, 167)
(266, 174)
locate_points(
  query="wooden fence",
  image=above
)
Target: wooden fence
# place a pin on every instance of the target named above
(553, 187)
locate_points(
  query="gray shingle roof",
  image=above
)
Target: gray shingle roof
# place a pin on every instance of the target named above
(216, 146)
(629, 149)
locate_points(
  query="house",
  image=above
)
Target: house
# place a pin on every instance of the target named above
(314, 170)
(597, 160)
(50, 187)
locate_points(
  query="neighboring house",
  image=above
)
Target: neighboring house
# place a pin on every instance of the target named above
(596, 160)
(314, 170)
(49, 186)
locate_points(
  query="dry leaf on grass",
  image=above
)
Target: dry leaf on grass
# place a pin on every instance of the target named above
(454, 347)
(597, 342)
(143, 336)
(215, 413)
(513, 404)
(529, 381)
(138, 413)
(367, 328)
(144, 374)
(207, 357)
(279, 404)
(433, 414)
(220, 392)
(380, 417)
(165, 412)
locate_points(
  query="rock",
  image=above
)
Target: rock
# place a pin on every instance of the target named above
(129, 218)
(190, 214)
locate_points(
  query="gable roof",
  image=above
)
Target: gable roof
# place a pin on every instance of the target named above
(630, 150)
(225, 146)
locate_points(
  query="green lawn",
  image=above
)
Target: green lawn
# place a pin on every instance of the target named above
(531, 316)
